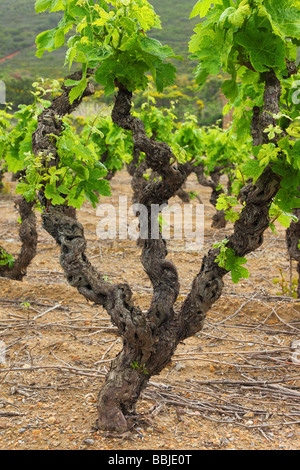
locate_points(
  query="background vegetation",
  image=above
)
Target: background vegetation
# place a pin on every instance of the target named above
(19, 26)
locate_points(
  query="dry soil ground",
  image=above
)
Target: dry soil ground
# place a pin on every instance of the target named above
(235, 385)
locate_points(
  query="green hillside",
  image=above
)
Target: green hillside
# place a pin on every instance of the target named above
(177, 28)
(19, 25)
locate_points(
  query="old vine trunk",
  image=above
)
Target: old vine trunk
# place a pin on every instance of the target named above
(150, 338)
(28, 237)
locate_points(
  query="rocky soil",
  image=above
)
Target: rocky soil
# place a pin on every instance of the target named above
(235, 385)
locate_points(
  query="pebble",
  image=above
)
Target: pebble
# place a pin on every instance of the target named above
(51, 420)
(179, 366)
(88, 442)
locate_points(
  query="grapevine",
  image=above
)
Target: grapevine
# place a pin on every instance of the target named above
(255, 44)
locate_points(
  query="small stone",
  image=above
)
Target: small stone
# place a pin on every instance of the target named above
(51, 420)
(250, 414)
(179, 366)
(88, 442)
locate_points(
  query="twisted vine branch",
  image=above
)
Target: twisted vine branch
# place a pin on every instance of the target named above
(293, 241)
(28, 237)
(150, 338)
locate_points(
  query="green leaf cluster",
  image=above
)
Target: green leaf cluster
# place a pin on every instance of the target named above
(227, 203)
(110, 142)
(83, 173)
(5, 128)
(141, 368)
(228, 260)
(111, 37)
(257, 34)
(211, 146)
(284, 218)
(160, 123)
(19, 140)
(246, 38)
(78, 176)
(284, 158)
(16, 141)
(6, 259)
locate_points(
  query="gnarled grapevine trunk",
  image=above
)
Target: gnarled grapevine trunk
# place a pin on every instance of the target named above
(28, 236)
(170, 327)
(150, 338)
(293, 241)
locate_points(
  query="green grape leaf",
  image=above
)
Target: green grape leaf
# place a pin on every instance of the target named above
(230, 89)
(146, 16)
(53, 5)
(285, 16)
(202, 7)
(78, 90)
(287, 199)
(154, 47)
(295, 154)
(252, 169)
(266, 50)
(27, 191)
(45, 41)
(227, 259)
(105, 75)
(81, 171)
(165, 75)
(51, 194)
(239, 272)
(234, 265)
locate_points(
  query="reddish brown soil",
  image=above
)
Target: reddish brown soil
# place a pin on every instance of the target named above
(235, 385)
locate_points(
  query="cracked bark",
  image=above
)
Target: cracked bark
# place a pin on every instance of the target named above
(150, 338)
(28, 237)
(292, 241)
(137, 170)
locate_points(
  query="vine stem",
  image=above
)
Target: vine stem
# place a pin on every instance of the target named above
(150, 338)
